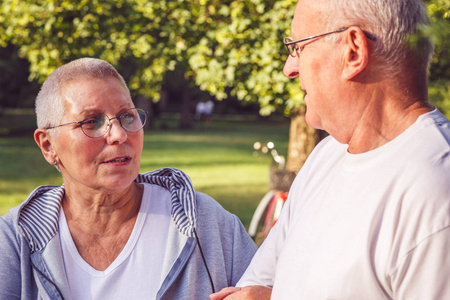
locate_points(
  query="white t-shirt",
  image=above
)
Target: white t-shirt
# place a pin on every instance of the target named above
(136, 272)
(374, 225)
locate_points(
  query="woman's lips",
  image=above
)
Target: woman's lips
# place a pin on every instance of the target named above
(120, 159)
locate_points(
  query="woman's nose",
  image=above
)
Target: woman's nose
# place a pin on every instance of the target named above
(291, 67)
(116, 134)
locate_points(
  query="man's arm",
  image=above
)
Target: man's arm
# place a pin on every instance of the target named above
(258, 279)
(254, 292)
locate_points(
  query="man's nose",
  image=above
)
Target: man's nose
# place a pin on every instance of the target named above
(291, 67)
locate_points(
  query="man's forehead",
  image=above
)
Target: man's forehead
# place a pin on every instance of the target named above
(309, 16)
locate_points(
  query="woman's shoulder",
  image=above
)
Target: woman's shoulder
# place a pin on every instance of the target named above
(208, 205)
(217, 224)
(210, 213)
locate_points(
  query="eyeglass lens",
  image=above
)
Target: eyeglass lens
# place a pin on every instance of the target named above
(97, 125)
(291, 48)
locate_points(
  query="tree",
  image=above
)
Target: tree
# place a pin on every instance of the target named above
(227, 48)
(244, 57)
(16, 91)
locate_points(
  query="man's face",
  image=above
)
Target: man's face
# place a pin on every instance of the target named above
(316, 64)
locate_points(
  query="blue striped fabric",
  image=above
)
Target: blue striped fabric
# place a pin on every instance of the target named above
(184, 211)
(39, 215)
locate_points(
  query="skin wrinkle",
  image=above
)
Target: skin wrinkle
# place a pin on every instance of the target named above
(101, 243)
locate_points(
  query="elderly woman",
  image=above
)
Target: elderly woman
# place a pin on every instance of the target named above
(109, 232)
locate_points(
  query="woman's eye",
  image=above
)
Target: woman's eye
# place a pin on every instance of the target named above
(93, 122)
(127, 116)
(90, 121)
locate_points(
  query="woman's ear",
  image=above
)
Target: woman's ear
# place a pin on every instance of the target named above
(45, 142)
(356, 54)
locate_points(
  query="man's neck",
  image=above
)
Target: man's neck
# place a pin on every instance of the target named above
(384, 120)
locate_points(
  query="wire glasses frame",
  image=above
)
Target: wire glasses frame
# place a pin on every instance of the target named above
(293, 48)
(97, 125)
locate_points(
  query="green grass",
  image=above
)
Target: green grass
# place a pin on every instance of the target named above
(218, 159)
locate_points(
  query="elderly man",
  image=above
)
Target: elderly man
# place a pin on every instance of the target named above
(368, 216)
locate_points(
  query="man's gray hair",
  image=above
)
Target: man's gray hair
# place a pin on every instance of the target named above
(392, 22)
(50, 100)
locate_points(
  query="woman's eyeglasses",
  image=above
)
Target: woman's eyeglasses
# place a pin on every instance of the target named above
(97, 125)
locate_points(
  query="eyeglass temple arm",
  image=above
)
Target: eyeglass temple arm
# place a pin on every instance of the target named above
(51, 127)
(368, 35)
(313, 37)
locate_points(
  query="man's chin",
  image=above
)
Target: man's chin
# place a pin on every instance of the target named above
(313, 120)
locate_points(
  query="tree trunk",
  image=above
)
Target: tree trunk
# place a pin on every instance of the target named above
(145, 103)
(187, 111)
(302, 140)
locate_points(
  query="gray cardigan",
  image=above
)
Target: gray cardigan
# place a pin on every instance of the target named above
(32, 267)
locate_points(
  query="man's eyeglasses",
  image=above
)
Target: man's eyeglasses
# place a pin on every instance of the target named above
(97, 125)
(293, 47)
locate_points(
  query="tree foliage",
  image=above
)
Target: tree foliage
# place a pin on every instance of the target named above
(439, 30)
(225, 47)
(244, 55)
(228, 48)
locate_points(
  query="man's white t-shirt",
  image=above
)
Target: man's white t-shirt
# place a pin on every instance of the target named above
(136, 272)
(374, 225)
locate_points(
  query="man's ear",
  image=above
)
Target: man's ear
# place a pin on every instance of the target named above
(45, 142)
(356, 54)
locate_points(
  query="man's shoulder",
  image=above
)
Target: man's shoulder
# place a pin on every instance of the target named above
(434, 129)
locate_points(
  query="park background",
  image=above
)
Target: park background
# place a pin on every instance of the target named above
(172, 55)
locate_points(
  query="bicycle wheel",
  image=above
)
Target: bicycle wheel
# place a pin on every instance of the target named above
(266, 215)
(259, 215)
(273, 212)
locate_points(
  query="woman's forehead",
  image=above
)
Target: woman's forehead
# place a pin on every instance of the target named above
(96, 94)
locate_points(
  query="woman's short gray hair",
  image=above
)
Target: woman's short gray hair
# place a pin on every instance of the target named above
(391, 22)
(50, 100)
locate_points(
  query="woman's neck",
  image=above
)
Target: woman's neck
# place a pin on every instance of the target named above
(100, 210)
(101, 224)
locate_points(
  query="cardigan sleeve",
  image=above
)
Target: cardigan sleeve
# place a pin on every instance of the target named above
(10, 266)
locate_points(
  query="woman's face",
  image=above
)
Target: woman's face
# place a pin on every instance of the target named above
(109, 163)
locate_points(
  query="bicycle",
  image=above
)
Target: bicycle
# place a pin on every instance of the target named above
(269, 208)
